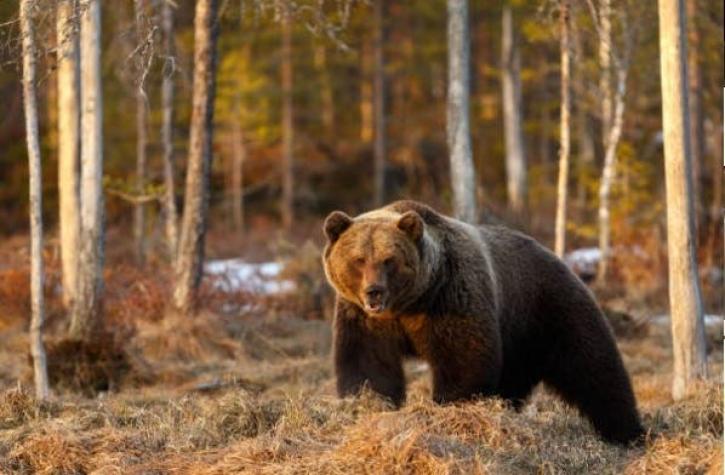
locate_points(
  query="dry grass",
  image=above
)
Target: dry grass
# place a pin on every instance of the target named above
(257, 397)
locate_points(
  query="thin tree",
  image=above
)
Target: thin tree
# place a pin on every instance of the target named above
(458, 123)
(618, 63)
(139, 215)
(190, 255)
(513, 117)
(604, 29)
(68, 144)
(688, 331)
(239, 157)
(37, 350)
(564, 147)
(167, 129)
(287, 121)
(379, 103)
(326, 92)
(86, 314)
(696, 112)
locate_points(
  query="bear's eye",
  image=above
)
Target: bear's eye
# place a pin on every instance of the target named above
(359, 261)
(389, 262)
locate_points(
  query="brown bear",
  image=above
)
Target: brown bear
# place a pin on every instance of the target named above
(492, 312)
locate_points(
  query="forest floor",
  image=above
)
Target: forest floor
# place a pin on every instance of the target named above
(240, 389)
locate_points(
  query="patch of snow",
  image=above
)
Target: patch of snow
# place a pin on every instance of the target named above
(710, 320)
(234, 275)
(584, 261)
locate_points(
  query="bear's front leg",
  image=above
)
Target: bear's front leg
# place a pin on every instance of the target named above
(367, 355)
(465, 358)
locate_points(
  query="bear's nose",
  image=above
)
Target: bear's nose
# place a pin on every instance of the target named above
(374, 292)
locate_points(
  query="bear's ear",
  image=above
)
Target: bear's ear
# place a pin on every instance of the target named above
(336, 224)
(411, 224)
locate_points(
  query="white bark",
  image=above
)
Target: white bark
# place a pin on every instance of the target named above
(458, 124)
(605, 183)
(379, 103)
(605, 66)
(688, 331)
(37, 350)
(68, 145)
(167, 128)
(190, 256)
(513, 117)
(87, 305)
(564, 150)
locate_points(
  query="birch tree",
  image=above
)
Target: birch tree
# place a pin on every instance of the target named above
(139, 218)
(564, 146)
(617, 64)
(513, 117)
(86, 314)
(287, 122)
(326, 92)
(239, 156)
(458, 124)
(190, 258)
(68, 145)
(688, 331)
(379, 103)
(695, 109)
(167, 129)
(37, 350)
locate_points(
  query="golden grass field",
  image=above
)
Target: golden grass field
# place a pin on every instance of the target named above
(254, 393)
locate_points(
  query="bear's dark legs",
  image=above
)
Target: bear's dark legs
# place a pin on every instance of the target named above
(587, 371)
(463, 370)
(517, 392)
(451, 386)
(364, 356)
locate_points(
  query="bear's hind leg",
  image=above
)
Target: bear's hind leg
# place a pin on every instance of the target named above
(589, 374)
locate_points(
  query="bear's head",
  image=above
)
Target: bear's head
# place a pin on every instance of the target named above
(375, 260)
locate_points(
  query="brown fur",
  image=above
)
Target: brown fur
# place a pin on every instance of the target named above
(491, 311)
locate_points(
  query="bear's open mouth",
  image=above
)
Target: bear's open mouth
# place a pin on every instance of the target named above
(374, 307)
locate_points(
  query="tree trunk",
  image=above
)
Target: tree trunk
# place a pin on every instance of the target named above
(37, 350)
(697, 118)
(68, 145)
(287, 123)
(240, 153)
(458, 129)
(605, 66)
(141, 139)
(562, 190)
(513, 118)
(366, 93)
(190, 258)
(605, 183)
(167, 129)
(379, 103)
(328, 98)
(688, 331)
(87, 305)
